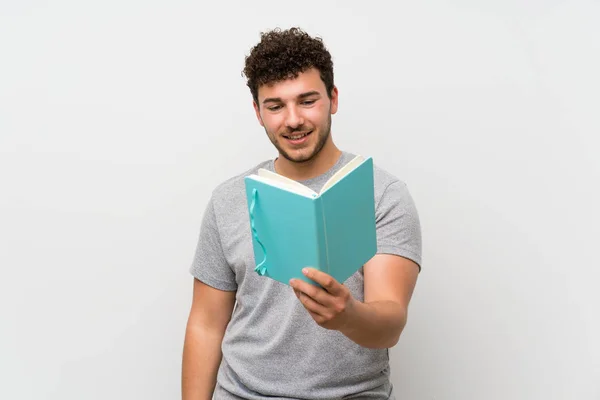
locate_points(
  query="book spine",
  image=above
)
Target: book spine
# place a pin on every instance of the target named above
(321, 236)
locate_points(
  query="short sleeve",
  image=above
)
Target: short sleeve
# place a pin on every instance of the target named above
(397, 223)
(210, 265)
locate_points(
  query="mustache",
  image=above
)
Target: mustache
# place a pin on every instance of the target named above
(300, 129)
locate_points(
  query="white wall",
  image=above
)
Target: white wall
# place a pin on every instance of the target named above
(117, 118)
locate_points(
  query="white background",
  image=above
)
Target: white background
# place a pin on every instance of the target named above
(117, 118)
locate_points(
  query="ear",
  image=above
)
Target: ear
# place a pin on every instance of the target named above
(257, 111)
(334, 99)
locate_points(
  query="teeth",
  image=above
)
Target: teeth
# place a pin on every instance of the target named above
(296, 137)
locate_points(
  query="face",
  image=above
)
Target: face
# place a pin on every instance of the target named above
(296, 114)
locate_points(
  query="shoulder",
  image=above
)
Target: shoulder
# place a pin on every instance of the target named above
(387, 186)
(385, 182)
(382, 178)
(232, 190)
(397, 218)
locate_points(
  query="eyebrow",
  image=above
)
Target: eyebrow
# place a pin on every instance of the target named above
(301, 96)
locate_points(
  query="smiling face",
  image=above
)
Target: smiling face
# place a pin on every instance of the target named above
(296, 114)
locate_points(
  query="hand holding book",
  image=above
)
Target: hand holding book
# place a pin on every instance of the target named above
(330, 305)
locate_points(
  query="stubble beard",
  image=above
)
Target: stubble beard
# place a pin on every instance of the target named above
(323, 136)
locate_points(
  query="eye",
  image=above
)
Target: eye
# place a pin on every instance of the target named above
(273, 108)
(308, 102)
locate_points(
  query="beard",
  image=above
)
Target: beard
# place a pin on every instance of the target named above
(324, 132)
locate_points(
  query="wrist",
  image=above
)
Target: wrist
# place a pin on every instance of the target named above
(354, 311)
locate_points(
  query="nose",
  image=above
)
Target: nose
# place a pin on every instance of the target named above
(293, 118)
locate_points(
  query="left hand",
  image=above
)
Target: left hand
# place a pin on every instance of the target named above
(330, 306)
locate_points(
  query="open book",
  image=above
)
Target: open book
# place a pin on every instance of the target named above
(295, 227)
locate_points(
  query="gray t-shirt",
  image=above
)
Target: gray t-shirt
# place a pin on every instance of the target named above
(272, 348)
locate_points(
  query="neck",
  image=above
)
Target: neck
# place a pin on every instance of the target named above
(321, 163)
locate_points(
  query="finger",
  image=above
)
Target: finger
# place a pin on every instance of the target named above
(316, 293)
(319, 319)
(325, 280)
(311, 305)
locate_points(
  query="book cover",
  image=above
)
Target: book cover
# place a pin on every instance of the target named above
(294, 227)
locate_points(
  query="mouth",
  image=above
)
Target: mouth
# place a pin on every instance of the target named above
(298, 138)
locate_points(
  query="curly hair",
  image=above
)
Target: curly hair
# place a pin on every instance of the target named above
(283, 54)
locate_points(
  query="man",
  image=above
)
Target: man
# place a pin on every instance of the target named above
(297, 341)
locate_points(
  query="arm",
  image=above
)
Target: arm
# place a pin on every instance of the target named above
(209, 315)
(389, 278)
(389, 283)
(379, 320)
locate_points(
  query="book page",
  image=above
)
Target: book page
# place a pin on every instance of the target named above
(356, 161)
(281, 181)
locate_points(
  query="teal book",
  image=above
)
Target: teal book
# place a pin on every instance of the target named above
(294, 227)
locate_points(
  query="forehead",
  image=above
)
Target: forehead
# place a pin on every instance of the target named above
(290, 88)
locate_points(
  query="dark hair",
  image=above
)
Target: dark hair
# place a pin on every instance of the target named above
(283, 54)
